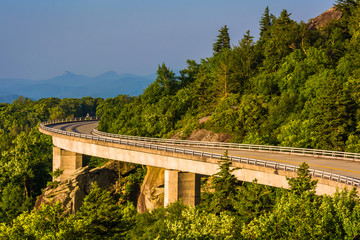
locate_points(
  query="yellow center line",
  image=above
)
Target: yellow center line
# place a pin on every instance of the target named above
(285, 161)
(314, 165)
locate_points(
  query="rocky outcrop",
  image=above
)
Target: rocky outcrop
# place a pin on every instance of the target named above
(204, 119)
(152, 190)
(72, 191)
(324, 18)
(206, 135)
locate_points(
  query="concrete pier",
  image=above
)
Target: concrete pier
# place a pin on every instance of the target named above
(182, 185)
(67, 161)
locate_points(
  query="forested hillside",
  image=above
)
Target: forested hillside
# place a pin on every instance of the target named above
(294, 86)
(297, 85)
(25, 153)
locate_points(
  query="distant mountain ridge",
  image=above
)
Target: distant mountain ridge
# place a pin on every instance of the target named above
(8, 98)
(70, 85)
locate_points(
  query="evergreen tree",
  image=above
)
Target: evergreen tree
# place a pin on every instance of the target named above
(222, 71)
(265, 23)
(346, 6)
(223, 40)
(303, 182)
(284, 18)
(285, 37)
(100, 216)
(224, 185)
(165, 84)
(166, 79)
(188, 75)
(246, 57)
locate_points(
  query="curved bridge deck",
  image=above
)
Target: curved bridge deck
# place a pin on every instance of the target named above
(269, 167)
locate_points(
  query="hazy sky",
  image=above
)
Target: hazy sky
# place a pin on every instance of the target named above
(40, 39)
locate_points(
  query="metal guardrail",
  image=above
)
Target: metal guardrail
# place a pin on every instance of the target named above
(140, 142)
(67, 120)
(288, 150)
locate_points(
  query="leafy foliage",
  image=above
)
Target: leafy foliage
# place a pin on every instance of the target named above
(25, 153)
(258, 212)
(99, 218)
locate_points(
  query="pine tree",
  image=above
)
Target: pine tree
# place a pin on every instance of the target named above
(302, 183)
(284, 38)
(166, 79)
(284, 18)
(265, 23)
(223, 40)
(225, 187)
(346, 6)
(99, 216)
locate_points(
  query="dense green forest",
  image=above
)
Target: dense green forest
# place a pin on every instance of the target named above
(25, 153)
(294, 86)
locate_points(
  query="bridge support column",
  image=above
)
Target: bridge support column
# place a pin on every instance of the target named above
(182, 185)
(67, 161)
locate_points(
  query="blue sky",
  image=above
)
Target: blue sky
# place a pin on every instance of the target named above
(44, 38)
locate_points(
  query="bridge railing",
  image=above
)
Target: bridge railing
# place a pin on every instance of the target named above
(143, 144)
(66, 120)
(288, 150)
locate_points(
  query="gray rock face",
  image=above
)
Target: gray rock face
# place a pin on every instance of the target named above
(72, 192)
(152, 190)
(325, 18)
(206, 135)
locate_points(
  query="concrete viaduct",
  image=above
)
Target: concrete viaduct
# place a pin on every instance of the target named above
(185, 161)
